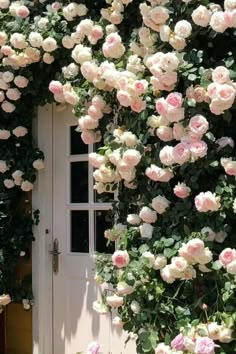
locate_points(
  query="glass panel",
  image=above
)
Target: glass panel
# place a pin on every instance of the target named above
(80, 231)
(77, 146)
(103, 222)
(79, 182)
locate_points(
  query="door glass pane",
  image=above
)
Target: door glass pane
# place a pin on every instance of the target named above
(79, 182)
(77, 146)
(103, 222)
(79, 231)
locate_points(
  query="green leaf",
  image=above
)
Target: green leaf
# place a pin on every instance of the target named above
(216, 265)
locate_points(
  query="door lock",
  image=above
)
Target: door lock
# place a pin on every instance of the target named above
(55, 253)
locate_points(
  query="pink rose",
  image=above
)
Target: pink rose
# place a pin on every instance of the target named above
(227, 256)
(93, 348)
(199, 94)
(161, 106)
(120, 259)
(95, 113)
(220, 75)
(56, 87)
(178, 131)
(204, 345)
(156, 173)
(164, 133)
(131, 157)
(207, 201)
(124, 98)
(224, 141)
(198, 149)
(138, 105)
(198, 125)
(181, 190)
(194, 247)
(178, 342)
(148, 215)
(88, 137)
(22, 11)
(229, 166)
(181, 153)
(174, 99)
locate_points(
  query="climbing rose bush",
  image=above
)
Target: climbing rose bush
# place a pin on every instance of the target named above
(152, 84)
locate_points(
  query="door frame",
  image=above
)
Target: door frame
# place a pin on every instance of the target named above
(41, 259)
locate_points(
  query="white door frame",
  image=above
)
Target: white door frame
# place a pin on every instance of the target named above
(41, 259)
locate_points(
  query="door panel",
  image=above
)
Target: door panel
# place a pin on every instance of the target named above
(79, 220)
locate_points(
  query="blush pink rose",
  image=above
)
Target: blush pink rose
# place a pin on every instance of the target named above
(178, 131)
(229, 166)
(198, 149)
(120, 259)
(161, 106)
(22, 11)
(178, 342)
(124, 98)
(148, 215)
(95, 113)
(181, 153)
(227, 256)
(174, 99)
(220, 75)
(138, 105)
(164, 133)
(207, 201)
(56, 87)
(181, 190)
(204, 345)
(198, 125)
(156, 173)
(166, 155)
(194, 247)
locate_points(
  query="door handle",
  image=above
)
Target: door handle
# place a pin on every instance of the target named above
(55, 256)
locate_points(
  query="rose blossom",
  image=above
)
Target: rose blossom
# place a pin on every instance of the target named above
(160, 204)
(207, 201)
(4, 300)
(198, 125)
(133, 219)
(38, 164)
(156, 173)
(20, 131)
(229, 166)
(194, 248)
(135, 307)
(181, 190)
(227, 256)
(231, 267)
(225, 335)
(114, 301)
(4, 134)
(9, 183)
(3, 166)
(131, 157)
(146, 231)
(198, 149)
(181, 153)
(204, 345)
(178, 342)
(221, 75)
(160, 262)
(56, 87)
(26, 186)
(124, 289)
(149, 257)
(120, 259)
(167, 275)
(93, 348)
(217, 22)
(224, 141)
(164, 133)
(201, 16)
(148, 215)
(183, 29)
(166, 155)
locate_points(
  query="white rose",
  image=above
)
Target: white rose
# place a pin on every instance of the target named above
(160, 204)
(5, 299)
(49, 44)
(135, 307)
(81, 10)
(129, 139)
(149, 257)
(3, 166)
(8, 107)
(13, 94)
(21, 81)
(115, 301)
(70, 11)
(7, 76)
(217, 22)
(178, 43)
(189, 344)
(42, 23)
(131, 157)
(230, 5)
(214, 330)
(4, 134)
(169, 62)
(100, 307)
(165, 32)
(183, 29)
(178, 264)
(70, 71)
(225, 335)
(160, 262)
(38, 164)
(159, 15)
(67, 42)
(3, 85)
(20, 131)
(124, 289)
(18, 41)
(86, 26)
(35, 39)
(17, 176)
(133, 219)
(146, 230)
(81, 54)
(201, 16)
(9, 183)
(4, 4)
(27, 186)
(205, 257)
(167, 275)
(148, 215)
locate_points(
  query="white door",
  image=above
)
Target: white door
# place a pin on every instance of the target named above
(79, 220)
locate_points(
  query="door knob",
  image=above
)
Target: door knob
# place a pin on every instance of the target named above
(55, 253)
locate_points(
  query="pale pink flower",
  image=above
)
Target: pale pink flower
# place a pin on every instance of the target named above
(221, 75)
(198, 149)
(174, 99)
(93, 348)
(198, 125)
(166, 155)
(204, 345)
(120, 259)
(156, 173)
(148, 215)
(207, 201)
(194, 247)
(56, 87)
(178, 342)
(181, 153)
(227, 256)
(181, 190)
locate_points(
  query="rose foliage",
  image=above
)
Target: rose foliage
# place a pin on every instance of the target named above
(153, 82)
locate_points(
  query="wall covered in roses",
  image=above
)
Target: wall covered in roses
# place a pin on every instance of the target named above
(153, 82)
